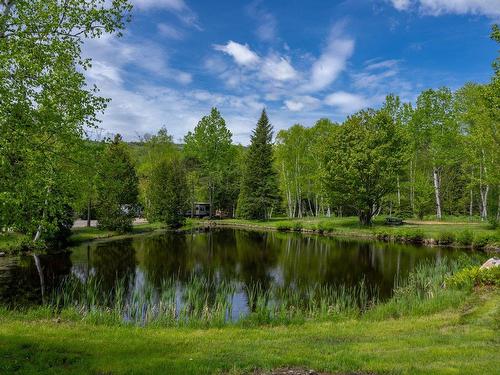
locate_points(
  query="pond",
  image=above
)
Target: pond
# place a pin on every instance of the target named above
(242, 258)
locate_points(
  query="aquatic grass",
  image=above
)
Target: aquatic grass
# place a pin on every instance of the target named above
(208, 301)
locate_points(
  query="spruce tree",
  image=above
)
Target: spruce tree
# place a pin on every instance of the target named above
(259, 186)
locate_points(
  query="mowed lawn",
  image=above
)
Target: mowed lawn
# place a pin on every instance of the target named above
(455, 341)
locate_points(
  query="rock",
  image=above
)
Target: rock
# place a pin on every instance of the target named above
(490, 263)
(2, 254)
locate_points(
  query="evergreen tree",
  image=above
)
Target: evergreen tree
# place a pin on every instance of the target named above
(167, 193)
(259, 187)
(117, 188)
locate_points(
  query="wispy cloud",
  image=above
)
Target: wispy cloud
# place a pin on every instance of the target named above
(241, 53)
(489, 8)
(346, 102)
(332, 61)
(178, 7)
(279, 68)
(170, 31)
(266, 22)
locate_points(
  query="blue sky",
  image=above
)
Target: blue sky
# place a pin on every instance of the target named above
(301, 60)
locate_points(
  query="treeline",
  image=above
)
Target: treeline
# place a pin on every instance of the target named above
(438, 157)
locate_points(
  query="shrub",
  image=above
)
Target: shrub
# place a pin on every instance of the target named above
(415, 235)
(484, 240)
(470, 277)
(465, 237)
(283, 227)
(297, 226)
(446, 238)
(493, 222)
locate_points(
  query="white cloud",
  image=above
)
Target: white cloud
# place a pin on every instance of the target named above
(241, 53)
(112, 55)
(278, 68)
(373, 65)
(489, 8)
(177, 5)
(299, 103)
(346, 102)
(104, 71)
(331, 62)
(401, 4)
(170, 31)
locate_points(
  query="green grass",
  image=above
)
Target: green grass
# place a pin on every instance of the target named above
(456, 340)
(11, 242)
(477, 234)
(92, 233)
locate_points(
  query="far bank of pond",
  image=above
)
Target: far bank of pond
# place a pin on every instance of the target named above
(477, 235)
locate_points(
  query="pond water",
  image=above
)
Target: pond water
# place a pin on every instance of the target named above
(241, 257)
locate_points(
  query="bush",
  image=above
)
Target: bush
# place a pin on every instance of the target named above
(283, 227)
(415, 235)
(493, 222)
(484, 240)
(465, 237)
(297, 226)
(470, 277)
(446, 238)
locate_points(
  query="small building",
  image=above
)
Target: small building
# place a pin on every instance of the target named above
(201, 209)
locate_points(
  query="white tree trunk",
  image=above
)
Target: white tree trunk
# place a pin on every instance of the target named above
(435, 175)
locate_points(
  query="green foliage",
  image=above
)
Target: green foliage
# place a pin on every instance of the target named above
(364, 160)
(167, 193)
(117, 188)
(46, 106)
(465, 237)
(483, 240)
(209, 146)
(473, 276)
(258, 194)
(446, 238)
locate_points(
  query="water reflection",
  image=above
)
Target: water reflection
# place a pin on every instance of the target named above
(287, 260)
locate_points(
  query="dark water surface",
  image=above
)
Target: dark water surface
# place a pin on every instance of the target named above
(239, 256)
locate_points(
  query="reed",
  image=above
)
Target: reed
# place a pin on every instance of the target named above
(209, 301)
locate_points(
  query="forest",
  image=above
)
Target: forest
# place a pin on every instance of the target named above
(434, 158)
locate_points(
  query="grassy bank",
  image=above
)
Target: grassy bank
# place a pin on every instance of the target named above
(450, 233)
(456, 340)
(12, 242)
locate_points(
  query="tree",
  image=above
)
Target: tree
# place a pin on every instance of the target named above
(436, 138)
(210, 145)
(45, 106)
(365, 158)
(117, 188)
(259, 187)
(167, 193)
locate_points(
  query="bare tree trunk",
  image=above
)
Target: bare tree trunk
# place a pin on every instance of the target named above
(435, 174)
(38, 233)
(483, 189)
(399, 195)
(484, 202)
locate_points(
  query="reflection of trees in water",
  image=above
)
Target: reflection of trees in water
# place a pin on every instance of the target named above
(164, 257)
(20, 280)
(113, 261)
(257, 257)
(309, 260)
